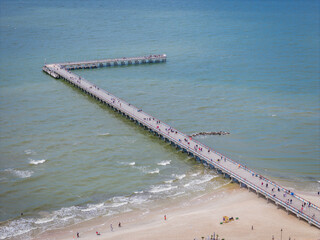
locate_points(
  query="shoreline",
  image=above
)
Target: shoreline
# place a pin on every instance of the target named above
(198, 216)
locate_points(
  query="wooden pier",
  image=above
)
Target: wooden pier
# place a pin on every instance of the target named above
(246, 177)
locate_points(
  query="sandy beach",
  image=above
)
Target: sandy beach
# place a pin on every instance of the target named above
(199, 217)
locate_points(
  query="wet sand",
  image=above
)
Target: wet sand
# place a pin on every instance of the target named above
(199, 217)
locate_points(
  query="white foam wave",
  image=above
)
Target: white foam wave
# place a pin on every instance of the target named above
(154, 171)
(138, 192)
(137, 200)
(19, 173)
(67, 218)
(164, 163)
(162, 188)
(36, 162)
(44, 220)
(195, 174)
(205, 179)
(129, 163)
(273, 115)
(103, 134)
(169, 181)
(114, 205)
(16, 228)
(119, 199)
(146, 169)
(181, 176)
(177, 194)
(93, 207)
(66, 211)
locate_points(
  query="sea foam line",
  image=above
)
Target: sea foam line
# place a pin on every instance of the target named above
(154, 171)
(163, 163)
(181, 176)
(19, 173)
(36, 162)
(162, 188)
(103, 134)
(129, 163)
(205, 179)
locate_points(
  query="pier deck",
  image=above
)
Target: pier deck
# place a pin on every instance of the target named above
(246, 177)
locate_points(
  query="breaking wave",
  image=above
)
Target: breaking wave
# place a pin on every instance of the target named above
(154, 171)
(19, 173)
(36, 162)
(162, 188)
(164, 163)
(181, 176)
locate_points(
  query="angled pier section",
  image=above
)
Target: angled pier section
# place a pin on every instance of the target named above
(114, 62)
(246, 177)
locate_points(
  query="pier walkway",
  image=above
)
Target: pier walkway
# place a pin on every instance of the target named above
(246, 177)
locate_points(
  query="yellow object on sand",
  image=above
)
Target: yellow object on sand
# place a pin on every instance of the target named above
(225, 219)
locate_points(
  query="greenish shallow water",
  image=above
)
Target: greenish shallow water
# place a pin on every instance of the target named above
(251, 69)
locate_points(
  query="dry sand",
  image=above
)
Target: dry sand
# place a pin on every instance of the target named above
(199, 217)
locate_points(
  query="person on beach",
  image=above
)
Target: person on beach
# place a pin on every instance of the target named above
(111, 228)
(98, 233)
(119, 225)
(78, 235)
(165, 217)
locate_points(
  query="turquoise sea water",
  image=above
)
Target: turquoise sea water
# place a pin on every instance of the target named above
(249, 68)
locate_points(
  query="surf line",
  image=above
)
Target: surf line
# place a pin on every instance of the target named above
(246, 177)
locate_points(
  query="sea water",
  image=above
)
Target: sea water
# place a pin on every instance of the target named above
(249, 68)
